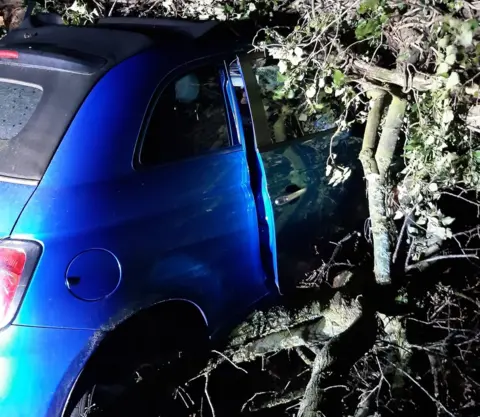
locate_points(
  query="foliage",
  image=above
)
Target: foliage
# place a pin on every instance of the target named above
(324, 66)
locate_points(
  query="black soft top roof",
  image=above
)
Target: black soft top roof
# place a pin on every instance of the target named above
(112, 39)
(66, 62)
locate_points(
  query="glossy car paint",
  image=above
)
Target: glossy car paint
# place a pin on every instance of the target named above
(17, 196)
(300, 224)
(178, 230)
(38, 367)
(187, 230)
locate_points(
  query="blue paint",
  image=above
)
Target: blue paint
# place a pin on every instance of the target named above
(200, 229)
(17, 196)
(93, 275)
(38, 368)
(186, 230)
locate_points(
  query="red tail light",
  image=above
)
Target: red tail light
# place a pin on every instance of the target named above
(12, 263)
(18, 259)
(6, 54)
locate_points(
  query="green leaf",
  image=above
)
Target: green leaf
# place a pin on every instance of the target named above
(383, 18)
(474, 24)
(281, 77)
(338, 78)
(368, 6)
(367, 28)
(476, 156)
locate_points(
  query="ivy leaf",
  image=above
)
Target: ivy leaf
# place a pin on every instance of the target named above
(476, 156)
(338, 78)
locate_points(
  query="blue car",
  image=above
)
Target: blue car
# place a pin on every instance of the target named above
(143, 204)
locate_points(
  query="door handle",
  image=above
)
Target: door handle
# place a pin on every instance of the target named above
(288, 198)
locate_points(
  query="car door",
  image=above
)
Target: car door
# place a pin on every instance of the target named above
(192, 154)
(306, 208)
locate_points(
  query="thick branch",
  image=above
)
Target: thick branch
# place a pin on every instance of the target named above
(333, 321)
(375, 188)
(342, 351)
(419, 81)
(389, 138)
(282, 328)
(370, 136)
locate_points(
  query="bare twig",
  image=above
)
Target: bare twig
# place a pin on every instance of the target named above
(400, 236)
(423, 389)
(426, 262)
(112, 8)
(208, 396)
(434, 370)
(229, 361)
(250, 400)
(273, 401)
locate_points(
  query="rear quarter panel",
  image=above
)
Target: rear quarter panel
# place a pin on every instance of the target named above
(182, 231)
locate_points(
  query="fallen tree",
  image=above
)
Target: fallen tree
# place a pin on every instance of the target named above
(408, 71)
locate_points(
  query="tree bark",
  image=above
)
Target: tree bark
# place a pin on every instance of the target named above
(376, 204)
(419, 82)
(341, 352)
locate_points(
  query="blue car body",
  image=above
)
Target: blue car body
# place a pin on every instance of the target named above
(114, 238)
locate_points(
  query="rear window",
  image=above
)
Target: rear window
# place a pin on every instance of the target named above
(36, 108)
(17, 104)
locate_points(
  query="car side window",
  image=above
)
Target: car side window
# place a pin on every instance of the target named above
(189, 118)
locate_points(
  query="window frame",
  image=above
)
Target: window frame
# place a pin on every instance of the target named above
(175, 74)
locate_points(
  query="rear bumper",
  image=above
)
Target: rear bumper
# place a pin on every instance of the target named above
(38, 368)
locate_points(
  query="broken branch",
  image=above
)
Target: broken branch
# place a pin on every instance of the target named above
(419, 82)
